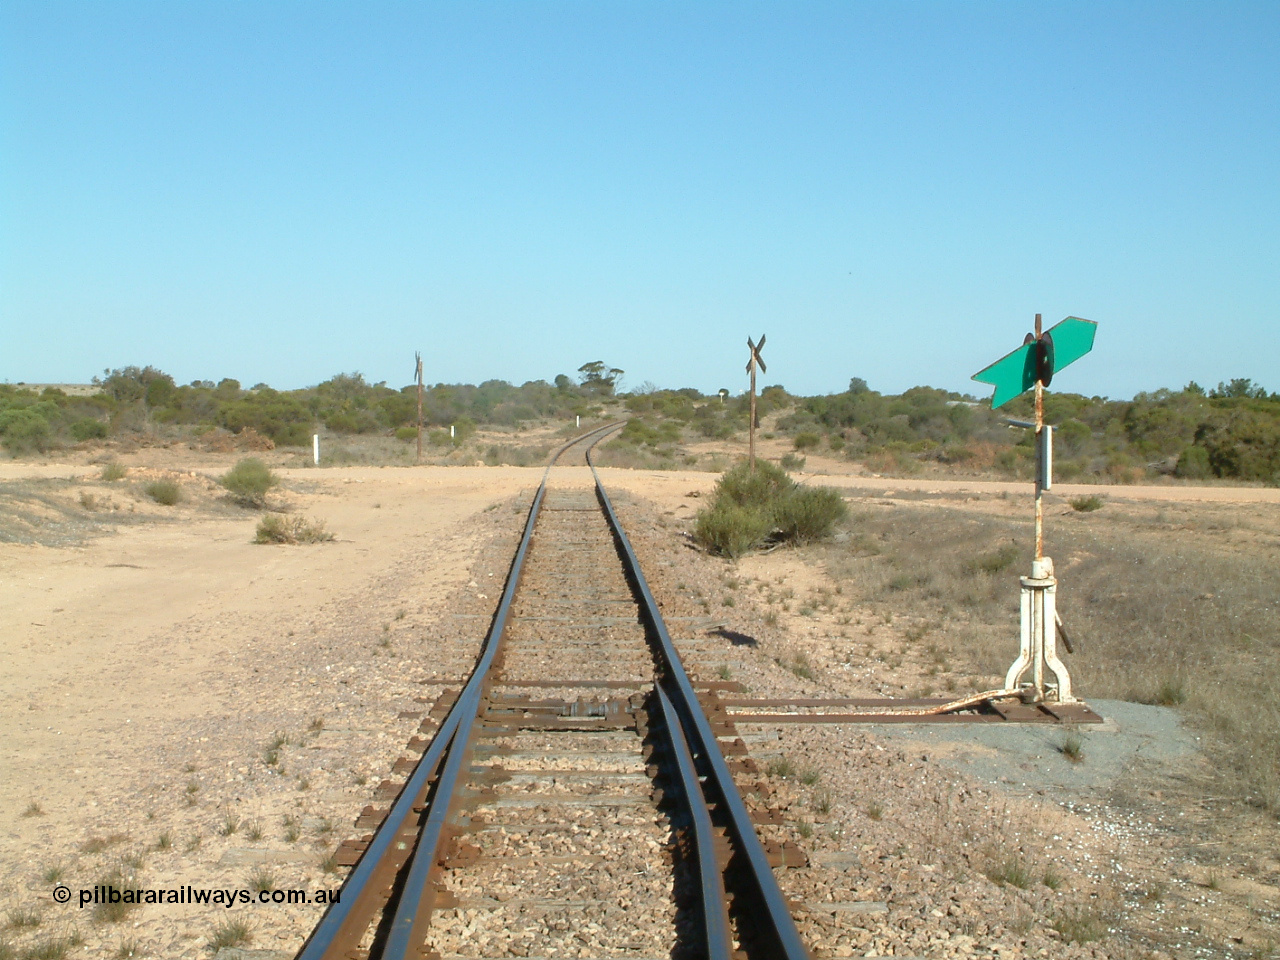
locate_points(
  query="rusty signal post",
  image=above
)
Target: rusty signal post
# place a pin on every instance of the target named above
(418, 374)
(1033, 364)
(752, 363)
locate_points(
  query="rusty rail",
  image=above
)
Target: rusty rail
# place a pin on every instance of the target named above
(776, 920)
(396, 871)
(345, 923)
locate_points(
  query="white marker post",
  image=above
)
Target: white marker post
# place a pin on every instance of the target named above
(451, 431)
(577, 421)
(1044, 460)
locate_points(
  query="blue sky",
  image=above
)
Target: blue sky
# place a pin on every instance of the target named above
(282, 191)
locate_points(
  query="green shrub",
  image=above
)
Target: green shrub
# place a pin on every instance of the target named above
(1067, 470)
(765, 485)
(789, 461)
(248, 482)
(114, 470)
(166, 492)
(751, 507)
(1245, 446)
(88, 429)
(1194, 464)
(806, 440)
(275, 528)
(1008, 460)
(715, 427)
(406, 433)
(730, 529)
(809, 513)
(24, 430)
(639, 431)
(463, 428)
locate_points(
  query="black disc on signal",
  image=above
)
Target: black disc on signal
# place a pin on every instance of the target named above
(1044, 358)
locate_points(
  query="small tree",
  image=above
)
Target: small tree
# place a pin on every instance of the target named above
(599, 378)
(131, 384)
(1239, 388)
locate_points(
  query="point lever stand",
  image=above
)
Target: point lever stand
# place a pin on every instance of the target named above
(1039, 648)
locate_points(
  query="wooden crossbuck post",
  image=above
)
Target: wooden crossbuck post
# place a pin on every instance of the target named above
(754, 362)
(418, 374)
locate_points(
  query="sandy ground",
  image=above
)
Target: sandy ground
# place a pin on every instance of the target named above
(148, 669)
(141, 669)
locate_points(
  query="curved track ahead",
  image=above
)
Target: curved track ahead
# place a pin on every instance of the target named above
(574, 801)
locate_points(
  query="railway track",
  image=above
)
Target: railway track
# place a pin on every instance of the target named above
(573, 798)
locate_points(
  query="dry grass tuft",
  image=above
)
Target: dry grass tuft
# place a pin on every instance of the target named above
(108, 912)
(233, 933)
(1010, 870)
(99, 844)
(1086, 504)
(1073, 746)
(1080, 925)
(164, 492)
(274, 528)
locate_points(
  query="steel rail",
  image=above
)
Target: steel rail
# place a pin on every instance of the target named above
(779, 920)
(413, 911)
(345, 922)
(715, 907)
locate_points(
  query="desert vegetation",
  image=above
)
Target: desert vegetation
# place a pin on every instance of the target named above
(1230, 432)
(165, 492)
(248, 482)
(753, 506)
(1161, 608)
(275, 528)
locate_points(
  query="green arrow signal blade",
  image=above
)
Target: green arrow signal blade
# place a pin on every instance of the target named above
(1015, 372)
(1072, 339)
(1011, 375)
